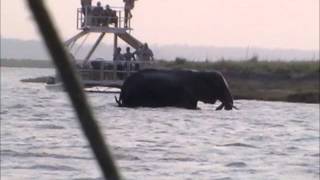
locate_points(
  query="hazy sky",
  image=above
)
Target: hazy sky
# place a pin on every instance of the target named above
(262, 23)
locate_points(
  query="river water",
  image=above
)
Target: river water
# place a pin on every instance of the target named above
(41, 139)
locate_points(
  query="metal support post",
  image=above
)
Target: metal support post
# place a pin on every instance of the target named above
(93, 48)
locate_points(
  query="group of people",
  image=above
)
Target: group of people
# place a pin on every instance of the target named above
(142, 54)
(105, 16)
(98, 15)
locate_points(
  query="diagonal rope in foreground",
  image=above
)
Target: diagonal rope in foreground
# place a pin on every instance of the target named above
(74, 89)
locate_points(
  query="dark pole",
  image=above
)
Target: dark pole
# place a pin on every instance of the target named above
(74, 89)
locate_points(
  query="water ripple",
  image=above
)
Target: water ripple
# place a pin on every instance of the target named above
(49, 126)
(47, 167)
(239, 145)
(237, 164)
(40, 155)
(41, 139)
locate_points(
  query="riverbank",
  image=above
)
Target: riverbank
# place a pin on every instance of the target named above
(26, 63)
(293, 81)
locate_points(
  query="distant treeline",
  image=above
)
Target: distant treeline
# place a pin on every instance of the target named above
(28, 63)
(252, 68)
(294, 81)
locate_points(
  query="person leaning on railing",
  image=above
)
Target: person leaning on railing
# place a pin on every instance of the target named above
(110, 16)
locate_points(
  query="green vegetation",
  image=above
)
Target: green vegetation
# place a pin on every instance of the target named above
(249, 68)
(294, 81)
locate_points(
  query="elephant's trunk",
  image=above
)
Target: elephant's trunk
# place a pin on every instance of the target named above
(227, 101)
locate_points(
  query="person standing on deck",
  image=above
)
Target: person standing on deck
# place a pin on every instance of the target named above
(117, 56)
(119, 62)
(139, 52)
(86, 6)
(147, 54)
(128, 56)
(128, 6)
(98, 13)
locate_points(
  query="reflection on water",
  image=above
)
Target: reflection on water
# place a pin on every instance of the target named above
(263, 140)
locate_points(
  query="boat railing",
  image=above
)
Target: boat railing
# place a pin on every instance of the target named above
(112, 70)
(86, 20)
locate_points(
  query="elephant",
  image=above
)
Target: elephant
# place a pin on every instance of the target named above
(178, 88)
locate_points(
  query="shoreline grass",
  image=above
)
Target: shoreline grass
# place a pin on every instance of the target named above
(290, 81)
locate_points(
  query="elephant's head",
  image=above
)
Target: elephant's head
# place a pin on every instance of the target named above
(226, 99)
(216, 88)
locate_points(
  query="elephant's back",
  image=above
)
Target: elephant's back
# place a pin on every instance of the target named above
(154, 79)
(163, 75)
(181, 77)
